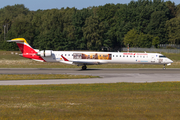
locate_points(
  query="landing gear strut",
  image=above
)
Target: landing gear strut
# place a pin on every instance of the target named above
(164, 67)
(84, 67)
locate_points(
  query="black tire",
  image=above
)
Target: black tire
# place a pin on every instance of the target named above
(84, 67)
(164, 67)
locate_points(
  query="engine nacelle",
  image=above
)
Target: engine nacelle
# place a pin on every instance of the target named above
(45, 53)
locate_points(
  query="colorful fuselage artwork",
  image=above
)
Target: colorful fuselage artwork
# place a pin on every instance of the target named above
(92, 56)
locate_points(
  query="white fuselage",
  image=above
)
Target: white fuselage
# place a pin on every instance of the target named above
(91, 58)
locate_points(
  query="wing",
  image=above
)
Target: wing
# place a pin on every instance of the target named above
(89, 62)
(85, 63)
(82, 62)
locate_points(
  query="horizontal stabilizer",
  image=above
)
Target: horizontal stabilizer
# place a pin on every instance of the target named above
(15, 40)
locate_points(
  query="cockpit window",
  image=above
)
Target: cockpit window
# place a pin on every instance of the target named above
(162, 56)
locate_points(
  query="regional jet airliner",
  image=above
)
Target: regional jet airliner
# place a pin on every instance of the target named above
(82, 58)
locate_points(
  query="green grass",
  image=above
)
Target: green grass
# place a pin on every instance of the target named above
(42, 76)
(121, 101)
(10, 55)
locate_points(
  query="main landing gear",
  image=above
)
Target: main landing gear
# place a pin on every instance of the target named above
(164, 67)
(84, 67)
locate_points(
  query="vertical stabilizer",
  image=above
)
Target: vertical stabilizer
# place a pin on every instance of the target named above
(26, 49)
(23, 45)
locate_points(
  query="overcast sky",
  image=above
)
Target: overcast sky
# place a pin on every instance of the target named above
(49, 4)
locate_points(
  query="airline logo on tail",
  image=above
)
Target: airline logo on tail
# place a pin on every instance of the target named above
(26, 49)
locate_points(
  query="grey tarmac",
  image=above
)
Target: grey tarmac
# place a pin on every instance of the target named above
(107, 75)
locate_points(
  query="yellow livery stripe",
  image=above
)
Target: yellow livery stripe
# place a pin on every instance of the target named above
(20, 39)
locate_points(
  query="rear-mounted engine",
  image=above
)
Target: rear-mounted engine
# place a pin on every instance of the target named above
(45, 53)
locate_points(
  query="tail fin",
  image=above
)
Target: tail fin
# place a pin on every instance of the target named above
(23, 45)
(26, 49)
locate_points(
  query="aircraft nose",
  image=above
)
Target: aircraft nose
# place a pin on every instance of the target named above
(170, 61)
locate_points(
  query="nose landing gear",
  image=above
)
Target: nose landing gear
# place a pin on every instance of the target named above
(84, 67)
(164, 67)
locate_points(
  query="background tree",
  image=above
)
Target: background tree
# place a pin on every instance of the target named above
(173, 30)
(178, 10)
(78, 21)
(93, 27)
(155, 42)
(144, 40)
(172, 8)
(131, 38)
(92, 33)
(156, 26)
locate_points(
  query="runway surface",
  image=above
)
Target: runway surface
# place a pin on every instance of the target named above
(107, 75)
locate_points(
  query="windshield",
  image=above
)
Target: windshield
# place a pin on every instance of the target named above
(162, 56)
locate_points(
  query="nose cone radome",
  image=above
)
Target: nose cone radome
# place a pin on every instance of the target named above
(169, 61)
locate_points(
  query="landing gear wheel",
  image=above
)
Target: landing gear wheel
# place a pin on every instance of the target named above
(164, 67)
(84, 67)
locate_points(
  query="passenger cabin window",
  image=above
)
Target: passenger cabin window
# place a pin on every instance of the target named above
(120, 56)
(116, 55)
(123, 56)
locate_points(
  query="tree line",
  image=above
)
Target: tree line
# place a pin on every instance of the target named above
(141, 23)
